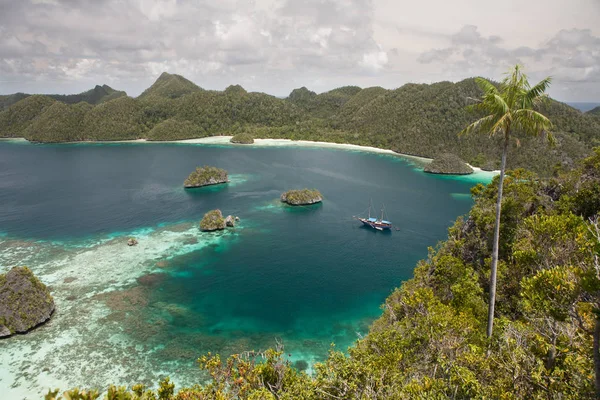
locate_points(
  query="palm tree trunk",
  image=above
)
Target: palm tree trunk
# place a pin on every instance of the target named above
(494, 268)
(596, 348)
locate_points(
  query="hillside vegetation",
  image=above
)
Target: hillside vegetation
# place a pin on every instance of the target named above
(418, 119)
(430, 342)
(595, 111)
(97, 95)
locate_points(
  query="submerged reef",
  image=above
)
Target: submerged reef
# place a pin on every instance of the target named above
(302, 197)
(25, 302)
(206, 176)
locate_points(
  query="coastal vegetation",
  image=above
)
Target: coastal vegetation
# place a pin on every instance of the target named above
(431, 341)
(25, 302)
(212, 221)
(301, 197)
(242, 138)
(417, 119)
(204, 176)
(448, 164)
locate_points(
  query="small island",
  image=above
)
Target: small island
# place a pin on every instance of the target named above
(206, 176)
(448, 164)
(302, 197)
(214, 221)
(242, 138)
(25, 302)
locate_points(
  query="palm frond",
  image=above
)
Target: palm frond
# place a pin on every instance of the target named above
(481, 125)
(486, 86)
(536, 92)
(531, 122)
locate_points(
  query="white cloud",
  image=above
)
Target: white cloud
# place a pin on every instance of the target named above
(276, 45)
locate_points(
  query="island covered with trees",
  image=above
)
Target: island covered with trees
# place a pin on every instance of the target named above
(25, 302)
(242, 138)
(205, 176)
(448, 164)
(416, 119)
(301, 197)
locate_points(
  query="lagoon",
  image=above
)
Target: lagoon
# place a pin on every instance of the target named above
(302, 276)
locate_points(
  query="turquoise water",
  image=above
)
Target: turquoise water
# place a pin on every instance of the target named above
(303, 276)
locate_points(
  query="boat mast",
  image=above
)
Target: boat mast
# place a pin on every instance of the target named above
(370, 201)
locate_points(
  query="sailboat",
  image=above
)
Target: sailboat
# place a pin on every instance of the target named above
(380, 224)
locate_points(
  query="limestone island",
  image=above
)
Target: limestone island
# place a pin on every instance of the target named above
(242, 138)
(206, 176)
(25, 302)
(302, 197)
(448, 164)
(214, 221)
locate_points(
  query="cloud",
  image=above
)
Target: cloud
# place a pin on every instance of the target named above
(273, 45)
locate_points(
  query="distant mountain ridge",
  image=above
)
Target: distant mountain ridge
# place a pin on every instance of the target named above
(418, 119)
(94, 96)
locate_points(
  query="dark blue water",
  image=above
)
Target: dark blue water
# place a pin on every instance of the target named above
(308, 276)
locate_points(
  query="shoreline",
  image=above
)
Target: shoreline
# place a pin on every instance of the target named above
(225, 140)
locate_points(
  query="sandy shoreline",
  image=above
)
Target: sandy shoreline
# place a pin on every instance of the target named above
(225, 140)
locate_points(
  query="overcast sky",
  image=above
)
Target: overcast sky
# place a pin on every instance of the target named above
(273, 46)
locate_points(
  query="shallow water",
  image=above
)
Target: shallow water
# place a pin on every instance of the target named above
(306, 276)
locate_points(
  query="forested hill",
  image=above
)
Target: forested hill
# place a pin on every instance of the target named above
(594, 111)
(97, 95)
(418, 119)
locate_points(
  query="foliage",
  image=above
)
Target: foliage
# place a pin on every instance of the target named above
(58, 123)
(448, 164)
(302, 196)
(170, 86)
(206, 175)
(118, 119)
(172, 129)
(594, 112)
(212, 221)
(18, 117)
(242, 138)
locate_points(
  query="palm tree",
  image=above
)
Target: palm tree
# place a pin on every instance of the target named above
(509, 110)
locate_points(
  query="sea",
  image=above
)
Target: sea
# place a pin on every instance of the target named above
(306, 279)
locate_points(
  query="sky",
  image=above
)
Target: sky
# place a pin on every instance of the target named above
(274, 46)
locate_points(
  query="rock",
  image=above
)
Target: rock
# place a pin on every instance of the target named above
(448, 164)
(237, 218)
(230, 221)
(132, 242)
(206, 176)
(242, 138)
(152, 279)
(212, 221)
(302, 197)
(25, 302)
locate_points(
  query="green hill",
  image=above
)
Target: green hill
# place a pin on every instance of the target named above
(118, 119)
(594, 112)
(8, 100)
(418, 119)
(97, 95)
(18, 116)
(170, 86)
(58, 123)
